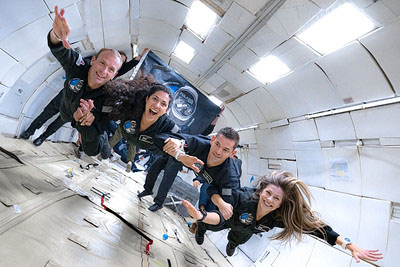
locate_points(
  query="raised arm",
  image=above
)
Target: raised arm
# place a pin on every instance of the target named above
(61, 30)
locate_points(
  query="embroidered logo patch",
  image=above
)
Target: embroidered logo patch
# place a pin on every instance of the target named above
(246, 218)
(130, 127)
(80, 61)
(203, 173)
(146, 139)
(75, 85)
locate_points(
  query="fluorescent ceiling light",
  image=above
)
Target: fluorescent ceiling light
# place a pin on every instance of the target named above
(215, 100)
(200, 19)
(184, 52)
(269, 69)
(342, 25)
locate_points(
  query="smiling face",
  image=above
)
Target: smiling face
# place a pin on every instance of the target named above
(156, 106)
(221, 149)
(270, 199)
(103, 69)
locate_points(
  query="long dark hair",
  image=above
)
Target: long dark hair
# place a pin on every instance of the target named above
(127, 98)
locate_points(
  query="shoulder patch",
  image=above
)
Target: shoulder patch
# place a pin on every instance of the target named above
(80, 61)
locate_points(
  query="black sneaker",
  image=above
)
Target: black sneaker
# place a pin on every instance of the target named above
(155, 207)
(105, 152)
(26, 134)
(199, 235)
(144, 193)
(230, 249)
(38, 141)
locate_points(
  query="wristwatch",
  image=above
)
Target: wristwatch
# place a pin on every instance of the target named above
(346, 242)
(204, 213)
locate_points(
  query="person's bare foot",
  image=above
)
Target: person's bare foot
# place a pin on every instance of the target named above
(196, 214)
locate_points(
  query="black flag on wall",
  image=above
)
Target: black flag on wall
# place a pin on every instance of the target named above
(190, 109)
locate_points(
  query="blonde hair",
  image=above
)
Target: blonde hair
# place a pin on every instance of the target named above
(295, 209)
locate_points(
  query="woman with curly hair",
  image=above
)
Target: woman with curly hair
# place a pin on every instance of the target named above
(141, 105)
(279, 200)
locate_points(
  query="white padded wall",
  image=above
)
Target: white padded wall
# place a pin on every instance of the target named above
(336, 127)
(304, 130)
(377, 122)
(375, 215)
(310, 163)
(343, 173)
(381, 172)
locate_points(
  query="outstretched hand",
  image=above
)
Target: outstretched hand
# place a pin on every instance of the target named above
(171, 146)
(191, 162)
(364, 254)
(60, 27)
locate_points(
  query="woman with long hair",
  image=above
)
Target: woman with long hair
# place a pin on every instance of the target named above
(141, 105)
(279, 200)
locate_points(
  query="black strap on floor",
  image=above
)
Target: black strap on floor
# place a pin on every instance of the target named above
(10, 154)
(129, 224)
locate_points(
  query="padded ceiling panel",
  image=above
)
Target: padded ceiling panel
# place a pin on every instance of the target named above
(158, 35)
(60, 3)
(240, 80)
(292, 15)
(264, 41)
(200, 63)
(285, 93)
(189, 75)
(294, 54)
(250, 107)
(355, 75)
(385, 46)
(239, 113)
(267, 104)
(13, 74)
(34, 39)
(92, 16)
(196, 44)
(244, 59)
(7, 63)
(3, 91)
(15, 16)
(315, 88)
(116, 28)
(324, 4)
(380, 12)
(253, 6)
(218, 39)
(230, 119)
(236, 20)
(72, 16)
(394, 5)
(163, 10)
